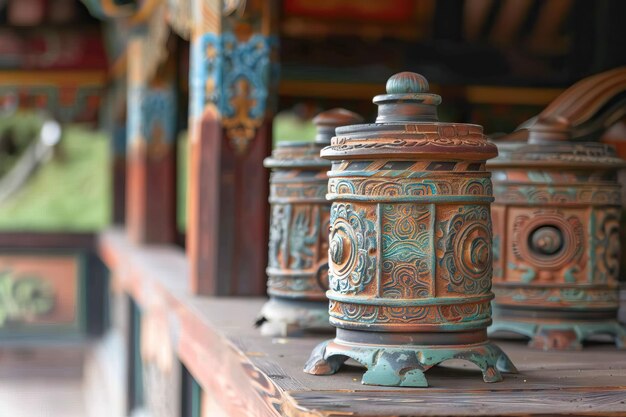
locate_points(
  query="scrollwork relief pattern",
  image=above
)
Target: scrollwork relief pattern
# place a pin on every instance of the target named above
(399, 187)
(465, 250)
(407, 251)
(557, 194)
(606, 247)
(446, 314)
(357, 234)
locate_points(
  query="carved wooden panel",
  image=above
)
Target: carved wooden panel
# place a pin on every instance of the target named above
(40, 291)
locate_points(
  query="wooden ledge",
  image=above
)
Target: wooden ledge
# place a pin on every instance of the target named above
(15, 240)
(245, 374)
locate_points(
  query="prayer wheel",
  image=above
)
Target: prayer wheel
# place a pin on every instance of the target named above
(557, 216)
(410, 258)
(298, 244)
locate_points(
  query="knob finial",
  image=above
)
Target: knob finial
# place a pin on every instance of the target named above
(407, 82)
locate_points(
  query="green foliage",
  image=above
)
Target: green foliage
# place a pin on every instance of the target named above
(289, 127)
(69, 193)
(17, 131)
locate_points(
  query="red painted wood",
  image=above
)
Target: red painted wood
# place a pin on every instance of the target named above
(228, 212)
(151, 194)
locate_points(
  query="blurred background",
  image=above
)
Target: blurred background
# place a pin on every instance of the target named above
(63, 132)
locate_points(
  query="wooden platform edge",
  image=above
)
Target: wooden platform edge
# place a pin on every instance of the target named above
(242, 382)
(157, 278)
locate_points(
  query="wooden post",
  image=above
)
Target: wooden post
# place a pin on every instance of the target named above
(232, 84)
(151, 166)
(116, 126)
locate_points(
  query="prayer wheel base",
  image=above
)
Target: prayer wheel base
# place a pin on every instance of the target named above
(566, 335)
(405, 365)
(280, 317)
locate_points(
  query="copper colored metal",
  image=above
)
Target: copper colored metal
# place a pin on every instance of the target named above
(557, 220)
(298, 244)
(410, 243)
(556, 243)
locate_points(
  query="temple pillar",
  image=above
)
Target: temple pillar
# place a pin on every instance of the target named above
(151, 134)
(232, 85)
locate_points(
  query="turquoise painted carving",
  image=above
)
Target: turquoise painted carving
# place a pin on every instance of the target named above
(405, 366)
(468, 233)
(234, 77)
(352, 244)
(152, 114)
(298, 242)
(407, 250)
(158, 113)
(410, 261)
(23, 298)
(558, 208)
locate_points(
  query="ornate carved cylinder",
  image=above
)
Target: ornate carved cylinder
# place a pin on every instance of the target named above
(557, 242)
(410, 242)
(298, 245)
(557, 219)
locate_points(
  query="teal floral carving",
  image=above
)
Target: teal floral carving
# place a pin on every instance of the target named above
(235, 77)
(407, 251)
(23, 298)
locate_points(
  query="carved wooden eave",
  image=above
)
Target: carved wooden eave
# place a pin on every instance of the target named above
(146, 18)
(108, 9)
(156, 32)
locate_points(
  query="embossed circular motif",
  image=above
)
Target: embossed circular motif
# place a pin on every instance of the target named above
(467, 255)
(473, 245)
(548, 240)
(342, 249)
(352, 258)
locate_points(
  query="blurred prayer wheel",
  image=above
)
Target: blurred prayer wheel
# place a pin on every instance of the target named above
(557, 221)
(410, 244)
(298, 245)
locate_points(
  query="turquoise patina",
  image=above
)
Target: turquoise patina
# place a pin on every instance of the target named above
(558, 208)
(298, 242)
(410, 259)
(232, 78)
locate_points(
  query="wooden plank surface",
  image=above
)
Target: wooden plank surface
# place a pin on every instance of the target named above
(250, 375)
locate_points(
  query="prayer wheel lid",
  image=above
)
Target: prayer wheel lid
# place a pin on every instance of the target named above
(557, 155)
(289, 154)
(327, 121)
(407, 126)
(307, 154)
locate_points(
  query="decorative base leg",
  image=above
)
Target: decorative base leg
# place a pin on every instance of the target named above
(404, 365)
(282, 318)
(560, 336)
